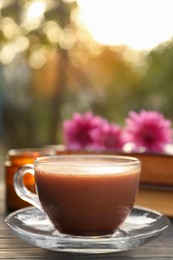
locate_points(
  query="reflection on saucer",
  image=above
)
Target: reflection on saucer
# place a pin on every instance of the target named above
(31, 225)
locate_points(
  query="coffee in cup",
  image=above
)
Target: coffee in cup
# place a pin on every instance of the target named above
(83, 195)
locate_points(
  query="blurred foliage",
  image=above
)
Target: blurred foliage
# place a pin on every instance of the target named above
(156, 85)
(51, 67)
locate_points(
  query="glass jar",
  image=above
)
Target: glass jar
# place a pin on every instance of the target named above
(15, 159)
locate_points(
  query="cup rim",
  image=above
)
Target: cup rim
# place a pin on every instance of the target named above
(75, 159)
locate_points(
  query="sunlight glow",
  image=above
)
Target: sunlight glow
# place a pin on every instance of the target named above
(36, 10)
(33, 14)
(139, 24)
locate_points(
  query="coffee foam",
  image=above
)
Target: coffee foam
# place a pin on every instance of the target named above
(86, 170)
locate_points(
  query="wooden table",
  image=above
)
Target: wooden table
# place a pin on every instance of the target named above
(13, 248)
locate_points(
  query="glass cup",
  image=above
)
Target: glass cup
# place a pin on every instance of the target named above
(83, 195)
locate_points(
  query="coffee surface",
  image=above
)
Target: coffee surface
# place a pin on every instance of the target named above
(85, 203)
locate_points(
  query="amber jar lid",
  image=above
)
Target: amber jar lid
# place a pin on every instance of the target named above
(27, 155)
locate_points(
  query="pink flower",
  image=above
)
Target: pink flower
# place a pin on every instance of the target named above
(107, 138)
(77, 131)
(148, 129)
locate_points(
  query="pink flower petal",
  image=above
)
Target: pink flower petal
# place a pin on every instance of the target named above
(148, 129)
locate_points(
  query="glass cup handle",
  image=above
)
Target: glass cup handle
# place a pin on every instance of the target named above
(20, 188)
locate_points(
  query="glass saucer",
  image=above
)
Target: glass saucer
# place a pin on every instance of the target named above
(31, 225)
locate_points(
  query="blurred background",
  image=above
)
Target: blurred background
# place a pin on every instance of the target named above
(62, 56)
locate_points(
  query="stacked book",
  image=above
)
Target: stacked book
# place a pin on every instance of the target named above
(156, 188)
